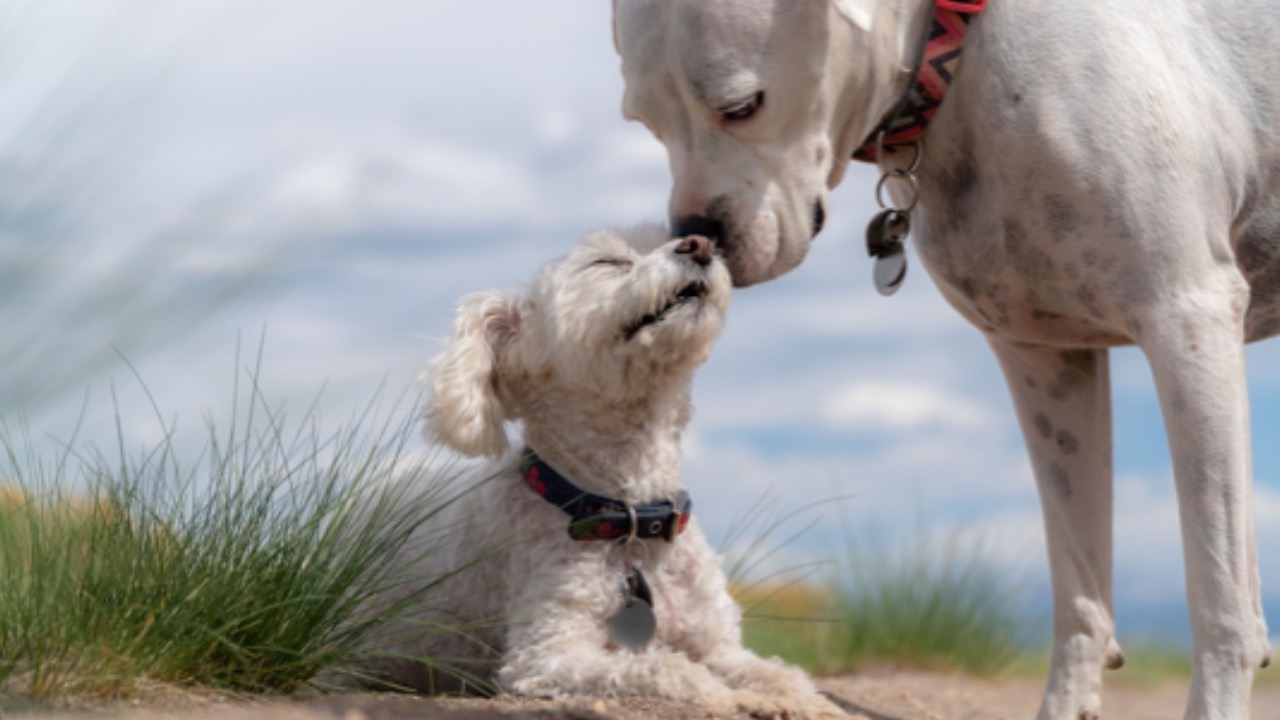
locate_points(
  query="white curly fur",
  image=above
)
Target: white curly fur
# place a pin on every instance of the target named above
(607, 411)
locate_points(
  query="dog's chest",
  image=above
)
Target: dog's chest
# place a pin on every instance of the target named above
(1054, 211)
(1007, 275)
(1023, 259)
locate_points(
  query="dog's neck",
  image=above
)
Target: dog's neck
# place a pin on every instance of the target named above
(913, 19)
(879, 68)
(628, 450)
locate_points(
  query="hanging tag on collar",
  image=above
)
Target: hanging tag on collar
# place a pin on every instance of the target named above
(884, 243)
(635, 624)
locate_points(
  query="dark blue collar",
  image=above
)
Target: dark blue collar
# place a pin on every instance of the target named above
(594, 517)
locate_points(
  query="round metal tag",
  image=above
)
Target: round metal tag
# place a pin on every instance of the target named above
(634, 625)
(889, 273)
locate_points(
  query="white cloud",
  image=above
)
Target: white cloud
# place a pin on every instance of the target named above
(897, 405)
(403, 180)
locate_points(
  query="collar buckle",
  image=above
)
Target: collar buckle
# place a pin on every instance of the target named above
(675, 524)
(678, 520)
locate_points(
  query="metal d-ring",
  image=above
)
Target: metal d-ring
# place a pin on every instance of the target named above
(916, 157)
(634, 526)
(900, 175)
(907, 173)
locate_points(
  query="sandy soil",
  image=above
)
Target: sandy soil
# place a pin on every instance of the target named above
(873, 695)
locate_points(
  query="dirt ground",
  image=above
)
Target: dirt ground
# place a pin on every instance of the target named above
(872, 695)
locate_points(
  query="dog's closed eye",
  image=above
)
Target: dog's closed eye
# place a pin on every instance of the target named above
(619, 263)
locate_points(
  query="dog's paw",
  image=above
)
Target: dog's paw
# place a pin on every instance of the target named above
(771, 676)
(776, 678)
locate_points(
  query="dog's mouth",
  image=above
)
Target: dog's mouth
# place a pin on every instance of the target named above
(693, 292)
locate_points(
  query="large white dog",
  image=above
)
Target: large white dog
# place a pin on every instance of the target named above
(1101, 173)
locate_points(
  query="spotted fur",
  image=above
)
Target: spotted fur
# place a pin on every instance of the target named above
(1102, 173)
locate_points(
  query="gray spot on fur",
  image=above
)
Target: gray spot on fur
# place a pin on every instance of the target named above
(1043, 426)
(1034, 264)
(1080, 369)
(1060, 216)
(957, 181)
(1083, 360)
(1060, 480)
(1067, 442)
(1066, 384)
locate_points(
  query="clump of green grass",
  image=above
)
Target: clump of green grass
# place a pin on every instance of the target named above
(251, 569)
(942, 604)
(945, 605)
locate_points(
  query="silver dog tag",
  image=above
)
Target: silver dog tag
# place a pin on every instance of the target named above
(884, 243)
(889, 273)
(635, 624)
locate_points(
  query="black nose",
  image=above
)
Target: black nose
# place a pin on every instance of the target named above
(708, 228)
(697, 247)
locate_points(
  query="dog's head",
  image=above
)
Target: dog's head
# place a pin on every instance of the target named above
(622, 317)
(760, 104)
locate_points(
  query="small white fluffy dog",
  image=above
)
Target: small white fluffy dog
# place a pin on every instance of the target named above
(595, 360)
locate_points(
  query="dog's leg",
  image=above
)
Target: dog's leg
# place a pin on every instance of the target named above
(568, 666)
(1063, 402)
(715, 640)
(1195, 345)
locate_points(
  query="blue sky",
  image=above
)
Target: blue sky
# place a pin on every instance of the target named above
(370, 162)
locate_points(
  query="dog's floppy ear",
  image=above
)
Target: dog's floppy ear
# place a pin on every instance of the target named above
(465, 410)
(858, 12)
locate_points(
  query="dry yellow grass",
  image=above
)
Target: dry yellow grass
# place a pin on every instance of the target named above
(788, 600)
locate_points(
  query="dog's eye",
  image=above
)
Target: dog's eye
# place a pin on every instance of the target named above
(743, 110)
(616, 262)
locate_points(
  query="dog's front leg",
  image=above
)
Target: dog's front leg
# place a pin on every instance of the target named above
(557, 645)
(1195, 345)
(1063, 402)
(564, 662)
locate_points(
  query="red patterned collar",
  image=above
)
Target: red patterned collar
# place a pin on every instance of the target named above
(907, 122)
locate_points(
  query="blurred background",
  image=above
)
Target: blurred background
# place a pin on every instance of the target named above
(331, 175)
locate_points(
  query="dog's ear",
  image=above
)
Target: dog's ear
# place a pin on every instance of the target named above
(858, 12)
(465, 410)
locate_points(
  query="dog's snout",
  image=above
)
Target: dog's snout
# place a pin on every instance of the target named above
(697, 247)
(708, 228)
